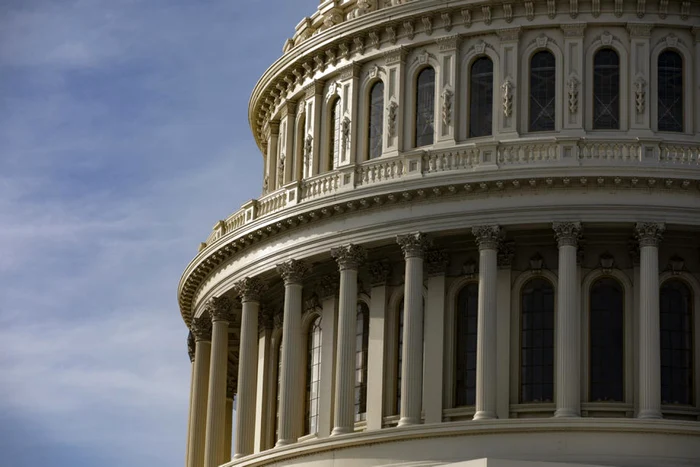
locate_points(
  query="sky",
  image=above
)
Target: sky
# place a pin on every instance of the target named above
(124, 137)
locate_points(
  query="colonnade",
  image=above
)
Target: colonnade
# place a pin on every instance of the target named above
(209, 428)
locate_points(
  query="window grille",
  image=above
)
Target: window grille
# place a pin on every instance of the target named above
(670, 91)
(466, 329)
(425, 107)
(676, 343)
(606, 90)
(481, 97)
(537, 342)
(606, 341)
(542, 91)
(375, 125)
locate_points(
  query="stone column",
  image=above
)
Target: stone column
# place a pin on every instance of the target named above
(190, 351)
(266, 385)
(349, 258)
(649, 236)
(271, 133)
(379, 272)
(568, 349)
(434, 327)
(487, 237)
(414, 246)
(228, 432)
(250, 290)
(327, 293)
(201, 328)
(292, 273)
(221, 312)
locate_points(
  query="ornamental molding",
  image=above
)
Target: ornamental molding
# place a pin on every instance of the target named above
(396, 56)
(572, 87)
(640, 94)
(250, 289)
(640, 29)
(507, 88)
(449, 43)
(314, 89)
(567, 233)
(436, 262)
(414, 245)
(379, 272)
(573, 29)
(487, 236)
(349, 72)
(447, 96)
(649, 233)
(349, 256)
(328, 286)
(293, 271)
(509, 34)
(505, 254)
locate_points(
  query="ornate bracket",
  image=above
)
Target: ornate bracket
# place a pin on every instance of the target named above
(447, 96)
(572, 86)
(507, 88)
(640, 94)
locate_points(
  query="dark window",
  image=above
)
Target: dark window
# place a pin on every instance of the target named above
(279, 390)
(670, 91)
(399, 359)
(334, 138)
(465, 367)
(537, 342)
(313, 377)
(361, 343)
(676, 343)
(481, 97)
(375, 127)
(606, 341)
(542, 91)
(425, 107)
(606, 90)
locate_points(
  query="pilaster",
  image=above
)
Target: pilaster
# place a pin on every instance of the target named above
(286, 162)
(507, 116)
(395, 62)
(328, 296)
(573, 75)
(272, 138)
(263, 406)
(640, 37)
(379, 272)
(349, 83)
(314, 114)
(434, 324)
(506, 253)
(448, 48)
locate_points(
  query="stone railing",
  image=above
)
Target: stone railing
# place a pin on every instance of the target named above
(482, 157)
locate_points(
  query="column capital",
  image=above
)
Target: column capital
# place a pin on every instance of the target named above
(640, 29)
(436, 261)
(250, 289)
(349, 256)
(649, 233)
(414, 244)
(567, 233)
(201, 328)
(487, 236)
(293, 271)
(379, 272)
(220, 309)
(191, 346)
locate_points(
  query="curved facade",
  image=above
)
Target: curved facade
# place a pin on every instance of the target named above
(478, 238)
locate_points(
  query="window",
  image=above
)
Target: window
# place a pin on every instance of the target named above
(375, 125)
(606, 90)
(279, 391)
(542, 91)
(399, 359)
(606, 340)
(313, 377)
(676, 302)
(425, 107)
(481, 97)
(466, 329)
(670, 86)
(537, 342)
(361, 344)
(334, 135)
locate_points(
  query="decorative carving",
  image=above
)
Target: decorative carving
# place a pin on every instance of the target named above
(446, 20)
(312, 304)
(486, 11)
(332, 59)
(671, 40)
(344, 50)
(379, 272)
(551, 8)
(250, 289)
(541, 41)
(487, 236)
(413, 244)
(436, 262)
(685, 9)
(392, 112)
(201, 328)
(676, 264)
(373, 39)
(618, 8)
(567, 233)
(641, 8)
(220, 309)
(280, 171)
(536, 263)
(391, 33)
(649, 233)
(572, 86)
(509, 34)
(595, 8)
(507, 88)
(467, 17)
(506, 254)
(191, 346)
(359, 45)
(408, 28)
(447, 95)
(573, 29)
(328, 286)
(479, 47)
(427, 25)
(349, 256)
(663, 9)
(446, 44)
(362, 8)
(573, 8)
(640, 30)
(508, 12)
(293, 271)
(606, 38)
(530, 10)
(607, 262)
(395, 56)
(469, 268)
(308, 150)
(346, 131)
(640, 94)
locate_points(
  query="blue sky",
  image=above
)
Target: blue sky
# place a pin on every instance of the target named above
(123, 138)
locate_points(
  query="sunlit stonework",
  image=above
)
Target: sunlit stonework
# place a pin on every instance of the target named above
(477, 243)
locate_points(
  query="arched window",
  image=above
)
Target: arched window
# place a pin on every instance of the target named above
(606, 90)
(670, 91)
(334, 135)
(313, 377)
(537, 342)
(425, 107)
(361, 344)
(606, 340)
(481, 97)
(542, 91)
(676, 302)
(466, 328)
(375, 124)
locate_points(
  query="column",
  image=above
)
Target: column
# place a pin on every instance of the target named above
(266, 385)
(379, 273)
(228, 431)
(434, 320)
(292, 273)
(568, 349)
(221, 312)
(349, 258)
(250, 290)
(191, 352)
(649, 236)
(487, 237)
(201, 328)
(414, 246)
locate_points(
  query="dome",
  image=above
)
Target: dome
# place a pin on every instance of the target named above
(476, 244)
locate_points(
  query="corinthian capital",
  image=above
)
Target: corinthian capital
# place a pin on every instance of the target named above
(201, 328)
(487, 236)
(293, 271)
(250, 289)
(567, 233)
(220, 309)
(649, 233)
(191, 346)
(413, 244)
(349, 256)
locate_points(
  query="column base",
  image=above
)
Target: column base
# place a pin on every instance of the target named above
(567, 413)
(408, 421)
(341, 430)
(485, 415)
(650, 414)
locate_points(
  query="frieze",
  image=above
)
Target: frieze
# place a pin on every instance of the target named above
(436, 262)
(449, 43)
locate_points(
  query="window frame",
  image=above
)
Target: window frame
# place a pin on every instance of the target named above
(626, 100)
(308, 324)
(367, 110)
(469, 94)
(560, 109)
(414, 109)
(463, 92)
(689, 96)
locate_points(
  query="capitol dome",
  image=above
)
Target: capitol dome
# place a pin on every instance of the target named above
(477, 243)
